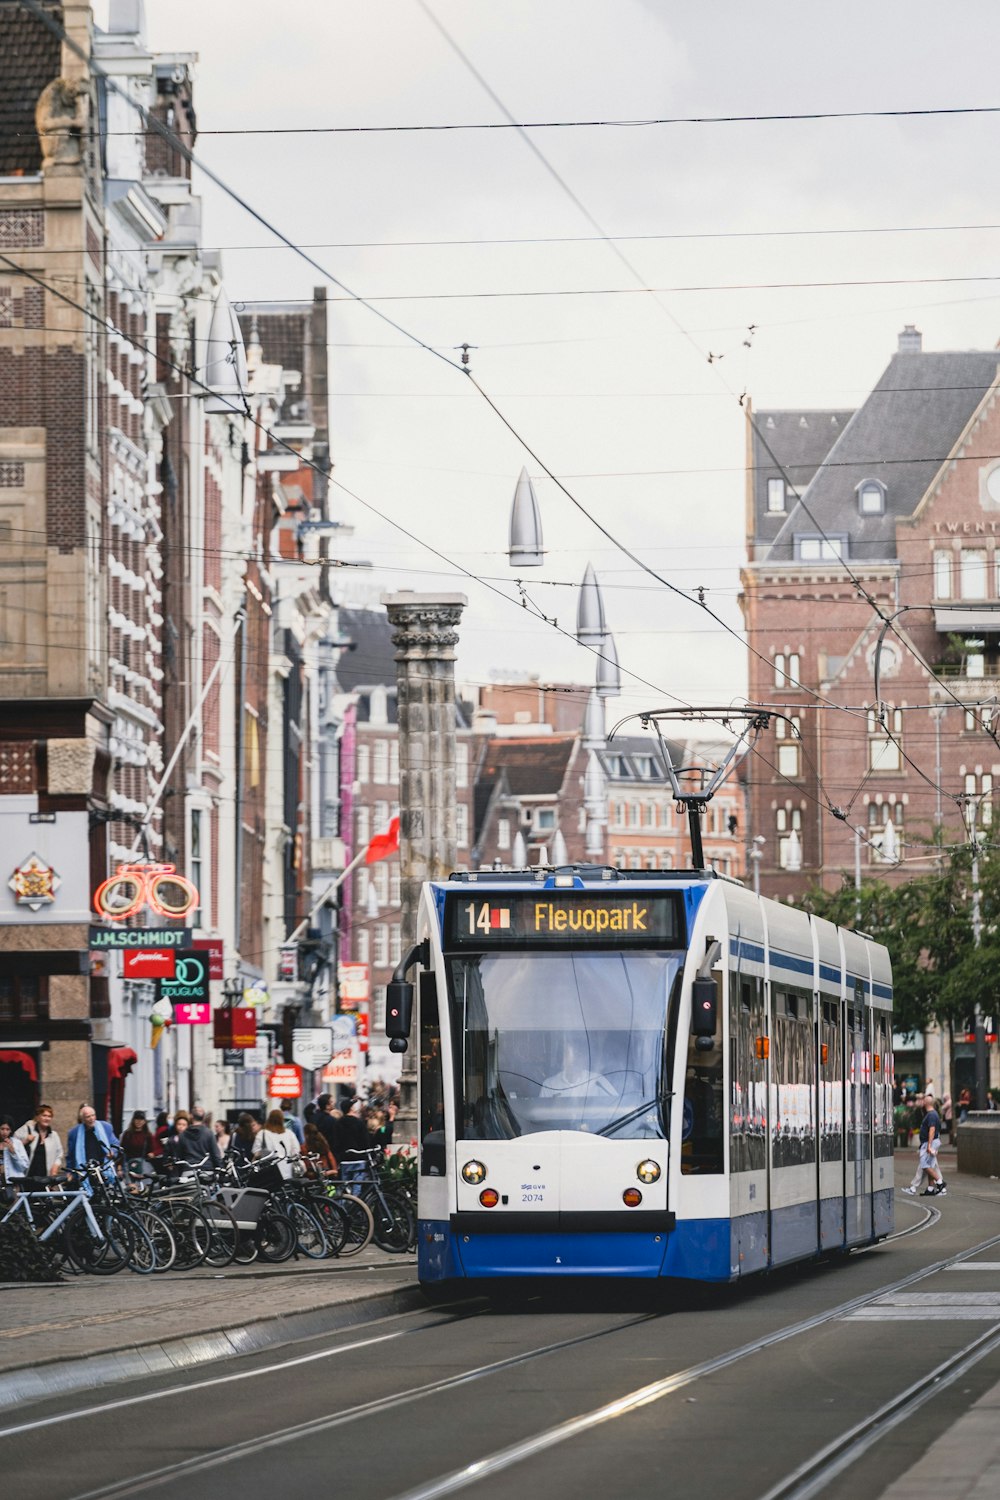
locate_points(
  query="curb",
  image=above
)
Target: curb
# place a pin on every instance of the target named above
(62, 1377)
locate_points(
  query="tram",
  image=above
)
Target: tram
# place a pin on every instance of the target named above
(649, 1074)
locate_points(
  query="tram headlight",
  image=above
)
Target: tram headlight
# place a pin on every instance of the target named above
(631, 1197)
(647, 1171)
(474, 1173)
(489, 1197)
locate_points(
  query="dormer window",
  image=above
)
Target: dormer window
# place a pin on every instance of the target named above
(871, 497)
(775, 497)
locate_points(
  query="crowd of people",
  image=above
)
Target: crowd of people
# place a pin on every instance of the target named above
(336, 1131)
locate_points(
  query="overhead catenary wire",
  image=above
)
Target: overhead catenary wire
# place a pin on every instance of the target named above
(161, 129)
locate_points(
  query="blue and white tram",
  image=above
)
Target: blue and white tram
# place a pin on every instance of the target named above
(642, 1074)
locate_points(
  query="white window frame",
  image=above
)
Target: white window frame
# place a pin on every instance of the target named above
(776, 497)
(943, 574)
(972, 574)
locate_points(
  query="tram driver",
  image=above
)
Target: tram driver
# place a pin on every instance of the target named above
(576, 1078)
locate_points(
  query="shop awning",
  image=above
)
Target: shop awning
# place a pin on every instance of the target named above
(120, 1061)
(23, 1060)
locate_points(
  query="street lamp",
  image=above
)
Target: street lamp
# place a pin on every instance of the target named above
(756, 855)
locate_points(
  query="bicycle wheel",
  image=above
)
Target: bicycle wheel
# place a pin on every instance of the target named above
(161, 1235)
(104, 1253)
(393, 1222)
(334, 1223)
(310, 1235)
(191, 1231)
(275, 1236)
(358, 1220)
(224, 1235)
(142, 1257)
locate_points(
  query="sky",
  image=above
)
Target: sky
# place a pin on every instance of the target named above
(594, 342)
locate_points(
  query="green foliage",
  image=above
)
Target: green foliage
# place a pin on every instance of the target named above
(939, 972)
(401, 1170)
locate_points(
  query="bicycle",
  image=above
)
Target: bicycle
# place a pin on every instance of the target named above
(395, 1223)
(100, 1245)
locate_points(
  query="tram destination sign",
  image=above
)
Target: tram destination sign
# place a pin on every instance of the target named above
(639, 919)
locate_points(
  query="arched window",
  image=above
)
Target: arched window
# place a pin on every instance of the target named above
(871, 497)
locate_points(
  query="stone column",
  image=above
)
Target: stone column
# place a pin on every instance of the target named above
(425, 634)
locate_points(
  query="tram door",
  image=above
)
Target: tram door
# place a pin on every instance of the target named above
(831, 1123)
(749, 1126)
(859, 1123)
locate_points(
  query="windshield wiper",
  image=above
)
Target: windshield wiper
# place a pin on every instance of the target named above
(634, 1114)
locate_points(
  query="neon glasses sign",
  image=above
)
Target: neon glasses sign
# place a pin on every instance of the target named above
(132, 887)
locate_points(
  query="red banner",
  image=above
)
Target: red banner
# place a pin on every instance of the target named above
(149, 963)
(213, 947)
(234, 1026)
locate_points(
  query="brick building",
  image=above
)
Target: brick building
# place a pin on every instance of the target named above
(902, 508)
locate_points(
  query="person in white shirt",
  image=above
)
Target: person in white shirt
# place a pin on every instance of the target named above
(42, 1143)
(276, 1136)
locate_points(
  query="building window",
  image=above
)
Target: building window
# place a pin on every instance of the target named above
(786, 669)
(361, 945)
(381, 817)
(462, 764)
(942, 574)
(545, 818)
(395, 880)
(395, 949)
(643, 766)
(871, 498)
(462, 823)
(380, 880)
(381, 945)
(884, 751)
(820, 548)
(634, 815)
(363, 825)
(196, 861)
(975, 658)
(979, 791)
(378, 1009)
(776, 497)
(879, 816)
(972, 573)
(394, 761)
(789, 750)
(503, 833)
(788, 821)
(361, 763)
(380, 762)
(619, 815)
(649, 814)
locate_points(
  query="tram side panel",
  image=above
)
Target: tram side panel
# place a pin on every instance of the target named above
(883, 1078)
(794, 1187)
(830, 1096)
(858, 1091)
(748, 1086)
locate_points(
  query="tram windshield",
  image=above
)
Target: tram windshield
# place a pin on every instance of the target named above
(561, 1041)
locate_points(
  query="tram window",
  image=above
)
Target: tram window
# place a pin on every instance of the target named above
(793, 1120)
(561, 1041)
(704, 1112)
(432, 1134)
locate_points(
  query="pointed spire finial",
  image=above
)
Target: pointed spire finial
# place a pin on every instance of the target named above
(590, 626)
(525, 526)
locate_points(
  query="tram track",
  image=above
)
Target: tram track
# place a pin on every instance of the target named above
(816, 1472)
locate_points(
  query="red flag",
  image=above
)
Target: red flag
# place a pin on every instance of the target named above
(383, 844)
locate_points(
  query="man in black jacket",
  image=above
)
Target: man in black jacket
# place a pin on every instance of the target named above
(355, 1140)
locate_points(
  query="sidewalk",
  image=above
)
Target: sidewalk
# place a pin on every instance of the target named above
(88, 1330)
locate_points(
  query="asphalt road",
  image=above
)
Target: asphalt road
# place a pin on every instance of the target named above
(596, 1391)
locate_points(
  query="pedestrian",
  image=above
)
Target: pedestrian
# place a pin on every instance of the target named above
(927, 1167)
(41, 1142)
(242, 1138)
(140, 1145)
(90, 1140)
(327, 1123)
(293, 1124)
(185, 1148)
(202, 1132)
(13, 1160)
(222, 1133)
(316, 1145)
(947, 1117)
(277, 1137)
(964, 1105)
(355, 1142)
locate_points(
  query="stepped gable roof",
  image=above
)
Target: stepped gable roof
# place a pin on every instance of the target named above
(31, 58)
(900, 436)
(798, 442)
(373, 659)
